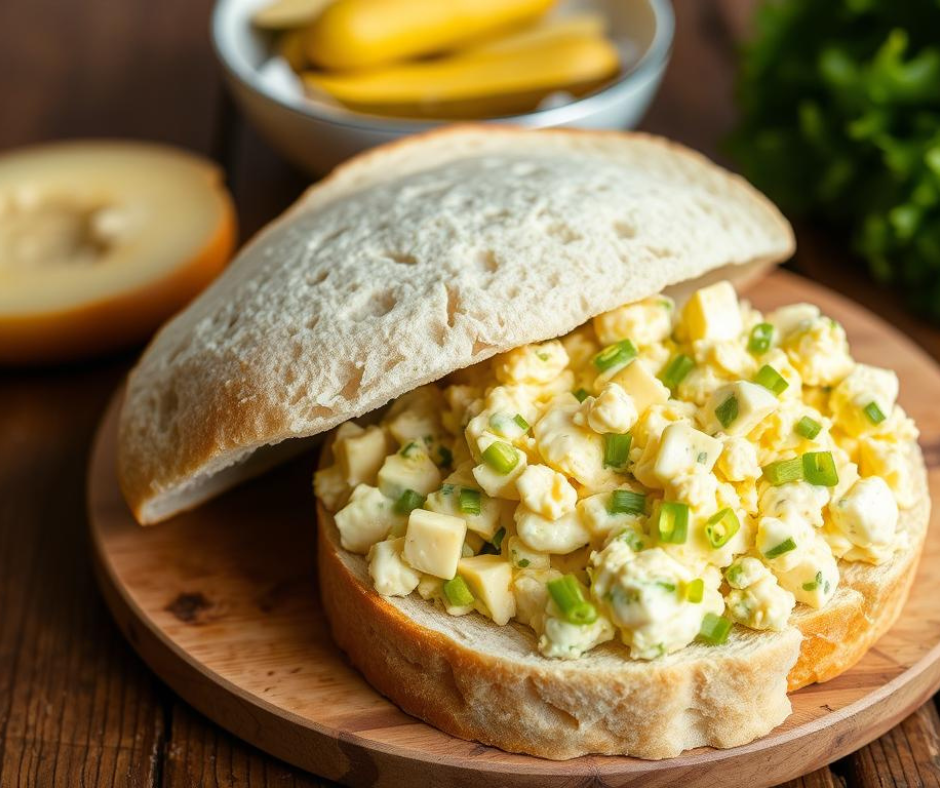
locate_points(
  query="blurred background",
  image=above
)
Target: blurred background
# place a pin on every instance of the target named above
(832, 108)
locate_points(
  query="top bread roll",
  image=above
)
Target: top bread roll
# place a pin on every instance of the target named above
(411, 261)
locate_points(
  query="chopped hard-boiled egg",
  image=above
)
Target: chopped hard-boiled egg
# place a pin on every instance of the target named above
(366, 519)
(613, 410)
(867, 515)
(563, 535)
(546, 492)
(433, 542)
(682, 450)
(713, 313)
(408, 469)
(490, 580)
(389, 572)
(756, 599)
(737, 408)
(864, 399)
(652, 477)
(644, 389)
(645, 322)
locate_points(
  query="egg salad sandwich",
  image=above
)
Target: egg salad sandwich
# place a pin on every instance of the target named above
(578, 497)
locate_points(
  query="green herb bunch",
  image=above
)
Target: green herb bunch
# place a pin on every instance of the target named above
(840, 105)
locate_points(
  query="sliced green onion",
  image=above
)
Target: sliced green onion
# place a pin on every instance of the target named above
(616, 355)
(447, 489)
(727, 411)
(523, 562)
(617, 449)
(761, 336)
(580, 395)
(721, 526)
(632, 539)
(695, 590)
(568, 598)
(626, 502)
(819, 468)
(874, 413)
(672, 525)
(784, 547)
(408, 501)
(501, 457)
(702, 457)
(469, 501)
(521, 423)
(714, 629)
(784, 471)
(408, 449)
(666, 586)
(676, 371)
(814, 584)
(771, 380)
(458, 593)
(497, 540)
(733, 573)
(808, 428)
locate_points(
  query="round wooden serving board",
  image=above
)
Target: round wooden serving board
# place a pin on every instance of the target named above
(223, 604)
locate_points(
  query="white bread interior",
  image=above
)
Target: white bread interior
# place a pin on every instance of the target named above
(411, 261)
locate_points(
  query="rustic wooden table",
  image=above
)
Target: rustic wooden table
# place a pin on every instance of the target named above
(77, 707)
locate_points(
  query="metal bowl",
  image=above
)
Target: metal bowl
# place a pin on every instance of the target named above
(316, 135)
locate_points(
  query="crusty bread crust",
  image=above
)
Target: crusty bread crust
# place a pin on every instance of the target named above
(475, 680)
(408, 262)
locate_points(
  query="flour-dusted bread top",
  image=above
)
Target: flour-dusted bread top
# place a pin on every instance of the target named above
(407, 263)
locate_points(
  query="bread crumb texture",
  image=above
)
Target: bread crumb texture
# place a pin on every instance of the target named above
(411, 261)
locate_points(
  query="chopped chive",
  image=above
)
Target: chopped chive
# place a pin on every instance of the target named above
(695, 590)
(808, 428)
(521, 423)
(408, 501)
(819, 468)
(580, 395)
(469, 501)
(501, 457)
(784, 471)
(458, 593)
(672, 525)
(626, 502)
(667, 586)
(814, 584)
(497, 540)
(771, 380)
(617, 355)
(721, 526)
(714, 629)
(784, 547)
(733, 573)
(523, 562)
(446, 456)
(676, 370)
(447, 489)
(617, 449)
(632, 539)
(702, 457)
(568, 598)
(727, 411)
(408, 449)
(874, 413)
(761, 336)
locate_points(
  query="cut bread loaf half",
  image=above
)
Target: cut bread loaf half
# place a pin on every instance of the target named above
(409, 262)
(476, 680)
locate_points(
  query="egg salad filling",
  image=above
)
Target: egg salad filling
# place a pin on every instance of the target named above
(655, 476)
